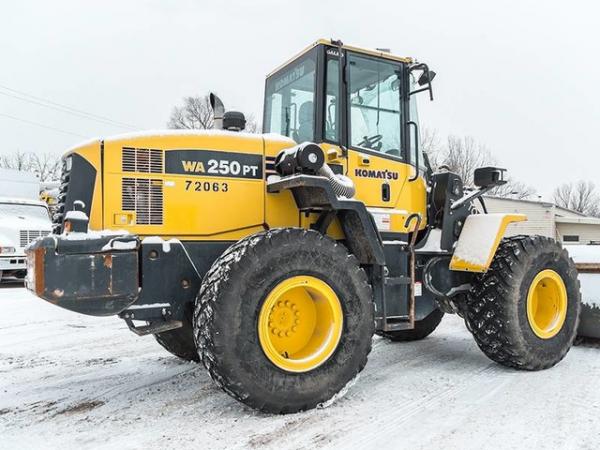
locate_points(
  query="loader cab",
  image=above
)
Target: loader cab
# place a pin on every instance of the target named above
(356, 103)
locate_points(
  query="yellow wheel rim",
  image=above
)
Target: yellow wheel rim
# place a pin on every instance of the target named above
(300, 323)
(547, 304)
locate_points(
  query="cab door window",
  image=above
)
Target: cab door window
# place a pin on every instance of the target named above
(374, 100)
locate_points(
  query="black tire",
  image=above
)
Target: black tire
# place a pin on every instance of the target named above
(180, 341)
(422, 329)
(496, 309)
(226, 318)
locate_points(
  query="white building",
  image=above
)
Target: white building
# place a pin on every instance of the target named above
(547, 219)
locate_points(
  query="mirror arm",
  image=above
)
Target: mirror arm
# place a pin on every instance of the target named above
(425, 68)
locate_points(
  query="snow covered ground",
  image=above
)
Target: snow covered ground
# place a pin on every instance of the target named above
(68, 380)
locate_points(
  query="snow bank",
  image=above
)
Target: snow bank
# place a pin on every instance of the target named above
(590, 282)
(584, 253)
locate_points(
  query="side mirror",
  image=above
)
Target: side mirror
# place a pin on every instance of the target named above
(426, 77)
(489, 177)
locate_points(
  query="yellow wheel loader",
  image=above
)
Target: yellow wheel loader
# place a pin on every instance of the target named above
(273, 258)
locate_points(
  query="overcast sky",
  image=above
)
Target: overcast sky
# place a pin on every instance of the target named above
(520, 76)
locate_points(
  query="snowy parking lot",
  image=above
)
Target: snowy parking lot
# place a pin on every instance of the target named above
(68, 380)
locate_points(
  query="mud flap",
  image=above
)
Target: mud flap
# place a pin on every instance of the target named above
(97, 276)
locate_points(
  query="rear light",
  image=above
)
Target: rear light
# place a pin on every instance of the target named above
(7, 250)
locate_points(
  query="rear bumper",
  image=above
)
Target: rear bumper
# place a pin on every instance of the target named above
(86, 273)
(12, 262)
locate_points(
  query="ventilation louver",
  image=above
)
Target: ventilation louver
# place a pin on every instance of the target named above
(144, 197)
(142, 160)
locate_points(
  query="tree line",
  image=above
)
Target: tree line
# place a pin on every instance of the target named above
(461, 155)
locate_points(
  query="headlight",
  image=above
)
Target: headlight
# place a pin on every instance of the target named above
(7, 250)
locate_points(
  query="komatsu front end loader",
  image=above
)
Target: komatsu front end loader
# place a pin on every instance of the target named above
(273, 258)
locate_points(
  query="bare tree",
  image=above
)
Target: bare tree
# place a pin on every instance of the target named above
(17, 160)
(462, 155)
(429, 143)
(46, 166)
(252, 126)
(580, 196)
(514, 189)
(197, 114)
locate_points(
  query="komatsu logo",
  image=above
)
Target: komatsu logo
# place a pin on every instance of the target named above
(378, 174)
(213, 163)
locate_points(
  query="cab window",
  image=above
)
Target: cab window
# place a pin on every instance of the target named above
(375, 105)
(290, 100)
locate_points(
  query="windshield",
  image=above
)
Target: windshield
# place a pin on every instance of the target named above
(11, 210)
(290, 99)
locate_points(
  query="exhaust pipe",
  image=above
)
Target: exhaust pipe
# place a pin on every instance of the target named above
(218, 111)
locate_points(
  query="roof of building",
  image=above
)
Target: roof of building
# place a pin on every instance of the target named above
(585, 220)
(538, 202)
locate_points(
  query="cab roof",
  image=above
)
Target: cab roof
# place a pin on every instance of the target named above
(364, 51)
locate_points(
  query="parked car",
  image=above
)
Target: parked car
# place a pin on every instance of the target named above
(21, 222)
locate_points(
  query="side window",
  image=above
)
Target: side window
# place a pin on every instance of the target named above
(375, 119)
(332, 83)
(290, 99)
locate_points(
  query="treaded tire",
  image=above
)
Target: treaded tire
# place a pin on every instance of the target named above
(496, 309)
(180, 341)
(227, 309)
(423, 328)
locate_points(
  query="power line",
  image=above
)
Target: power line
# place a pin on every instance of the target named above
(64, 108)
(42, 125)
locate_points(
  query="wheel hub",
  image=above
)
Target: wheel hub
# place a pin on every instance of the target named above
(300, 323)
(547, 304)
(284, 319)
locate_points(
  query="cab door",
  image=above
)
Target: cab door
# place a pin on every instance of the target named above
(378, 161)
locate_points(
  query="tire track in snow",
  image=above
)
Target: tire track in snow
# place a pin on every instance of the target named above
(374, 433)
